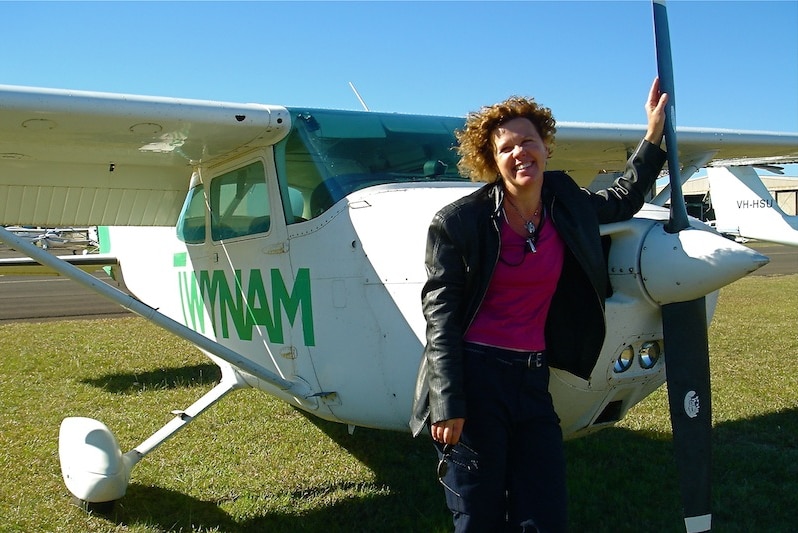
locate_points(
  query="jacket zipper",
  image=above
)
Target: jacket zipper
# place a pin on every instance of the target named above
(497, 234)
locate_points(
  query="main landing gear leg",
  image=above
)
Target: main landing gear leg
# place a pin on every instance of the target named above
(96, 471)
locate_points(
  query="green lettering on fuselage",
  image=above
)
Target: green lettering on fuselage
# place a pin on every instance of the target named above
(246, 306)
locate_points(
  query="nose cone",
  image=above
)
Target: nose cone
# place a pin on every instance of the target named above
(678, 267)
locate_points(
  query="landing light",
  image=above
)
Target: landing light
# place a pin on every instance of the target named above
(649, 354)
(624, 360)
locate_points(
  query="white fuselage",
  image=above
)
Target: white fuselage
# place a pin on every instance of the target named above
(335, 302)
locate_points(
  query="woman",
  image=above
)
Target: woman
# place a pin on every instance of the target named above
(516, 282)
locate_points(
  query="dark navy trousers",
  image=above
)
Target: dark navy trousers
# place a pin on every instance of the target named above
(507, 473)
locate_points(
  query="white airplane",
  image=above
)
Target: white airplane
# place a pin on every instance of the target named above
(744, 207)
(288, 245)
(75, 238)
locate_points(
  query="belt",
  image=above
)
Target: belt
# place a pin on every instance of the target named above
(509, 357)
(523, 359)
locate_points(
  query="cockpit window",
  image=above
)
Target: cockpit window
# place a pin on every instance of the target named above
(330, 154)
(240, 203)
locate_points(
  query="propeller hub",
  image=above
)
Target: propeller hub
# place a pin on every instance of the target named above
(683, 266)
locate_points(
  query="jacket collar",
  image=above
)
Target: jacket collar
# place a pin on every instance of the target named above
(496, 192)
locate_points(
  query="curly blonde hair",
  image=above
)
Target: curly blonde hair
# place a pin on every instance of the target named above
(475, 140)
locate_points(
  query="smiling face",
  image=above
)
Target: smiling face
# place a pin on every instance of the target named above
(520, 155)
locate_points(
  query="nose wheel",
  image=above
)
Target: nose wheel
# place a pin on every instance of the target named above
(96, 508)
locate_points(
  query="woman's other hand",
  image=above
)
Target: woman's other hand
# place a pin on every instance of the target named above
(655, 111)
(447, 431)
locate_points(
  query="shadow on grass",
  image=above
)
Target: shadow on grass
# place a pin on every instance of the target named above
(160, 379)
(411, 500)
(622, 480)
(619, 481)
(167, 510)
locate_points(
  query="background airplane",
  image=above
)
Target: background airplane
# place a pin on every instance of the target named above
(84, 239)
(744, 207)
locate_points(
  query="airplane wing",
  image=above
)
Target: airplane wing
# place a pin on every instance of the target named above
(584, 150)
(84, 158)
(87, 158)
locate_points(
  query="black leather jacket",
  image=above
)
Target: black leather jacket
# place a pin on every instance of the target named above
(462, 251)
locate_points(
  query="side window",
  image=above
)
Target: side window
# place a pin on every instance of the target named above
(191, 224)
(240, 203)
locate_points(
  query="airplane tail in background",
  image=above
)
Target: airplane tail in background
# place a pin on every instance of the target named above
(745, 208)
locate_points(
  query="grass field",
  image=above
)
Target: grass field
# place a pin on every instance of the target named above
(252, 463)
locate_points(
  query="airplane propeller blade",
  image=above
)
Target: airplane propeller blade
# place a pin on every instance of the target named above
(678, 217)
(684, 327)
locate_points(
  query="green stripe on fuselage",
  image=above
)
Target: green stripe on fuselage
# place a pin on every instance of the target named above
(180, 259)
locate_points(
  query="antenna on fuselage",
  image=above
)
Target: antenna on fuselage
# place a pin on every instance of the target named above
(352, 85)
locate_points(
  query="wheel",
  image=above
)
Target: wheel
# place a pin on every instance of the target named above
(98, 508)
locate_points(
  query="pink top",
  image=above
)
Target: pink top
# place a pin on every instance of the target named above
(513, 312)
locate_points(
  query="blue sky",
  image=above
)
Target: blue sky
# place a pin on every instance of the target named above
(736, 63)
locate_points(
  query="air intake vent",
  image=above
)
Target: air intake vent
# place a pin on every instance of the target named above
(611, 413)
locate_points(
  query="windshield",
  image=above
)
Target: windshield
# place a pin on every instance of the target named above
(330, 154)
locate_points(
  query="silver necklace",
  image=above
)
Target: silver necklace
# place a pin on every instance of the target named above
(529, 225)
